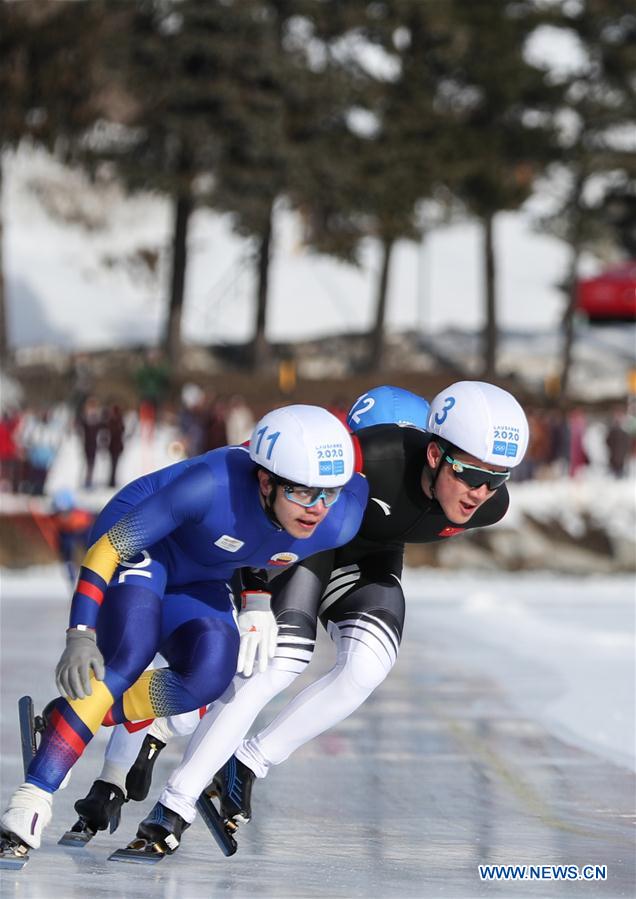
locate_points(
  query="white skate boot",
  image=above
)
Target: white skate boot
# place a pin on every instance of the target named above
(29, 812)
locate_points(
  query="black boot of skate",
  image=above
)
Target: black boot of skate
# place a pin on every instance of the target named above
(139, 777)
(233, 786)
(101, 808)
(162, 828)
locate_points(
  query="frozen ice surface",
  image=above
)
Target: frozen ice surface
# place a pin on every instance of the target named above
(504, 735)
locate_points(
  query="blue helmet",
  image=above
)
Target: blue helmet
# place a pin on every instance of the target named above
(63, 500)
(388, 405)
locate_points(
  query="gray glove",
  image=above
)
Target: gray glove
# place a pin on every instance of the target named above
(72, 674)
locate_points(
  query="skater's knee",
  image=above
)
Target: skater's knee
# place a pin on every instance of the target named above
(296, 627)
(206, 663)
(294, 646)
(208, 682)
(277, 677)
(182, 725)
(364, 668)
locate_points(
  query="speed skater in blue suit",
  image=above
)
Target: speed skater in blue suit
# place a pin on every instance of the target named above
(155, 580)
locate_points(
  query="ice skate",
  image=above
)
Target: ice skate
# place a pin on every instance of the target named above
(139, 777)
(100, 809)
(220, 827)
(158, 835)
(233, 786)
(232, 789)
(32, 727)
(29, 812)
(14, 854)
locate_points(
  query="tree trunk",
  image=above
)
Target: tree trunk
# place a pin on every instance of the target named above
(4, 335)
(172, 335)
(259, 353)
(567, 323)
(375, 357)
(490, 294)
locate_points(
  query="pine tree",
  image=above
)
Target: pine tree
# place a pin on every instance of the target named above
(47, 91)
(502, 110)
(381, 172)
(597, 159)
(215, 85)
(162, 74)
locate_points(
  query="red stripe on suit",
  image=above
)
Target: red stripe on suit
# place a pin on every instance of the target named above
(91, 591)
(67, 733)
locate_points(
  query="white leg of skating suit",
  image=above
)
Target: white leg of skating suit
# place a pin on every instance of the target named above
(366, 652)
(123, 747)
(121, 751)
(229, 718)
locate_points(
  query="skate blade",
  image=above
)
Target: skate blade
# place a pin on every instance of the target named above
(13, 861)
(220, 828)
(27, 731)
(75, 839)
(139, 852)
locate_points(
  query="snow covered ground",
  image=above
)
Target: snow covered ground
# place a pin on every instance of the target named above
(87, 238)
(102, 262)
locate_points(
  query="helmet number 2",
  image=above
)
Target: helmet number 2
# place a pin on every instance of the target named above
(440, 417)
(272, 438)
(363, 404)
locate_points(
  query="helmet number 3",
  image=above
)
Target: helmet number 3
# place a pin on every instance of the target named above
(271, 438)
(440, 417)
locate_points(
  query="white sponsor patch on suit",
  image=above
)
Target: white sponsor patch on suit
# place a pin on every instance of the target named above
(231, 544)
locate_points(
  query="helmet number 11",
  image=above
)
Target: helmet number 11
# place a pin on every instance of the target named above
(272, 438)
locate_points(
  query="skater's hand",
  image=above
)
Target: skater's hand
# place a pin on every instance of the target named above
(73, 671)
(258, 631)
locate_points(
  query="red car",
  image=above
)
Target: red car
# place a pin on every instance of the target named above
(610, 296)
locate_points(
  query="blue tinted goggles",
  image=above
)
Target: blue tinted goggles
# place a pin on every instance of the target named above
(476, 477)
(310, 496)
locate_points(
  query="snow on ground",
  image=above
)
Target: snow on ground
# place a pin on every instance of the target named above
(102, 263)
(609, 502)
(87, 236)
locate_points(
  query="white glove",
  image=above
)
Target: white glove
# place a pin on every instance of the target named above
(258, 631)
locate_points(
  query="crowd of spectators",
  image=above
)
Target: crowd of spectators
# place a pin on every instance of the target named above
(567, 443)
(207, 421)
(561, 444)
(30, 439)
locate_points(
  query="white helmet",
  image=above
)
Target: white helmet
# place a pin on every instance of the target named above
(482, 420)
(304, 444)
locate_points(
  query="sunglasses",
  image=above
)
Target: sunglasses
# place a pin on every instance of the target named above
(310, 496)
(477, 477)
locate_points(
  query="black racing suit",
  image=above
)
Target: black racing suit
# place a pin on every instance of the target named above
(356, 591)
(363, 577)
